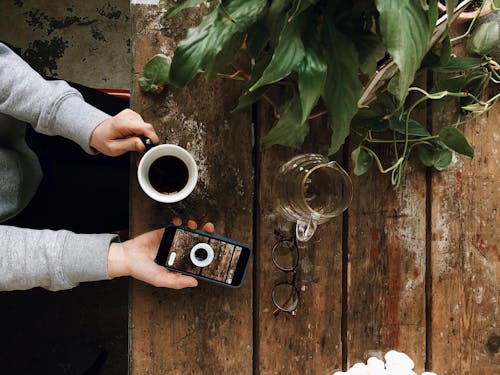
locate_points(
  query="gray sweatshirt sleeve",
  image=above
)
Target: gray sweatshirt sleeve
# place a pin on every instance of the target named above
(52, 107)
(52, 260)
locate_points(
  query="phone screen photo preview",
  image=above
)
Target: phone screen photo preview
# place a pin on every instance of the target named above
(208, 257)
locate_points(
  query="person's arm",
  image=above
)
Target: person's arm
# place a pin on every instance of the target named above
(55, 108)
(57, 260)
(52, 107)
(49, 259)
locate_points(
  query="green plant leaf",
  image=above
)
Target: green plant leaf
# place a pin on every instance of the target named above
(495, 5)
(445, 55)
(434, 156)
(455, 139)
(362, 161)
(312, 75)
(342, 86)
(288, 131)
(450, 7)
(426, 154)
(414, 127)
(443, 159)
(277, 16)
(257, 38)
(432, 15)
(287, 56)
(452, 84)
(225, 56)
(205, 41)
(249, 97)
(175, 9)
(375, 116)
(300, 6)
(475, 107)
(406, 33)
(371, 50)
(155, 74)
(484, 38)
(366, 119)
(459, 64)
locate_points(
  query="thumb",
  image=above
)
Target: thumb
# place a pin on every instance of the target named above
(175, 280)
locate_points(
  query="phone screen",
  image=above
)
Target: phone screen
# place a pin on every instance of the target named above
(225, 266)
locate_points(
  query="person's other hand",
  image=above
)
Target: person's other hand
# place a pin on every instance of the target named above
(135, 258)
(121, 133)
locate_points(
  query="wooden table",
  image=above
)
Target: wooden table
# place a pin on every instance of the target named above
(416, 269)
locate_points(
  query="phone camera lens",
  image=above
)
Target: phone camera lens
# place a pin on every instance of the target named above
(201, 254)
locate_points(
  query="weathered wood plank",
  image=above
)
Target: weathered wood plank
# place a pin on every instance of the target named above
(207, 329)
(465, 255)
(310, 341)
(386, 264)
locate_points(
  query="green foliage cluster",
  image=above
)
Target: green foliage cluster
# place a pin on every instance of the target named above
(354, 61)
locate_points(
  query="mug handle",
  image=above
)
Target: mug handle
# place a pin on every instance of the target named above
(305, 230)
(148, 143)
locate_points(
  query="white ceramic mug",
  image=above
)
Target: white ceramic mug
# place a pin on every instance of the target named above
(157, 153)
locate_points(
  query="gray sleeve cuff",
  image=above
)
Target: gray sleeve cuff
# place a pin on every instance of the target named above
(85, 257)
(77, 120)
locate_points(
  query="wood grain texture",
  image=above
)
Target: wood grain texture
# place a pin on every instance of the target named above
(465, 254)
(310, 341)
(388, 243)
(386, 263)
(207, 329)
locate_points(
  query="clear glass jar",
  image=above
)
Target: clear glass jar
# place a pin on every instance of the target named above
(310, 190)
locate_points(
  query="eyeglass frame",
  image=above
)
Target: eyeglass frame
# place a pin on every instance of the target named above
(293, 270)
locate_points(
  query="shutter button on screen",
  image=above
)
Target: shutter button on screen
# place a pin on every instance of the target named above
(202, 254)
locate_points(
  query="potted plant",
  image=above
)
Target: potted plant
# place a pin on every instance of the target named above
(353, 62)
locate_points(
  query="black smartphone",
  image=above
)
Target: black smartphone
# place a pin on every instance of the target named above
(204, 256)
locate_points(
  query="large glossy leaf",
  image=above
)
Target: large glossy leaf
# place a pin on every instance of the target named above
(371, 50)
(312, 74)
(287, 56)
(204, 42)
(406, 33)
(342, 86)
(455, 139)
(249, 97)
(175, 9)
(432, 15)
(459, 64)
(224, 57)
(484, 38)
(276, 18)
(288, 131)
(300, 6)
(257, 38)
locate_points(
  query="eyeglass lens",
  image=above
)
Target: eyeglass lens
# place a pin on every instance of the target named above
(285, 257)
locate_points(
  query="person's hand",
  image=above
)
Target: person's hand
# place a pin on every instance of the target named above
(121, 133)
(135, 258)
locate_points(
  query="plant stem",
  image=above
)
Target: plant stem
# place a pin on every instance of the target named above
(402, 140)
(469, 29)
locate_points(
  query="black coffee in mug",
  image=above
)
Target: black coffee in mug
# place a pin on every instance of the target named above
(168, 174)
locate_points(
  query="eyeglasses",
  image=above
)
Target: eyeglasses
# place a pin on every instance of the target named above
(285, 295)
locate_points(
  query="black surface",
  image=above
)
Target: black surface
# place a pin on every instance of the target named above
(82, 330)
